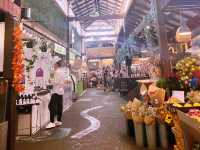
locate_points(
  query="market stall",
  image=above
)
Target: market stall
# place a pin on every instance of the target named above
(141, 68)
(79, 68)
(8, 9)
(172, 101)
(35, 89)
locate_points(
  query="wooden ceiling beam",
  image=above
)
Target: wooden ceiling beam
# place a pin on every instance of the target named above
(143, 6)
(133, 16)
(111, 35)
(103, 12)
(83, 6)
(85, 25)
(105, 17)
(110, 8)
(86, 2)
(141, 11)
(110, 11)
(183, 5)
(132, 22)
(116, 3)
(84, 13)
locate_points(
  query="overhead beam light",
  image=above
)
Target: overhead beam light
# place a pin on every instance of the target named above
(127, 4)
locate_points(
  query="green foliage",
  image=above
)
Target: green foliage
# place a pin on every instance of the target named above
(162, 83)
(31, 63)
(169, 84)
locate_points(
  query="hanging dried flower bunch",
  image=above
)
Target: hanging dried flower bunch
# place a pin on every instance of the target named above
(18, 61)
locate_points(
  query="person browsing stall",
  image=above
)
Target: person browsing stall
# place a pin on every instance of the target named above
(56, 102)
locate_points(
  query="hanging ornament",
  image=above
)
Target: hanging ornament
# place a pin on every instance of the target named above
(18, 61)
(183, 33)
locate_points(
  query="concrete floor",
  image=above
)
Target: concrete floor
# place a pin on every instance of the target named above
(111, 135)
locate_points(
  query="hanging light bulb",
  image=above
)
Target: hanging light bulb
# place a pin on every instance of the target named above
(183, 33)
(148, 27)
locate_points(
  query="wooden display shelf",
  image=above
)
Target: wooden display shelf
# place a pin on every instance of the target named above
(191, 130)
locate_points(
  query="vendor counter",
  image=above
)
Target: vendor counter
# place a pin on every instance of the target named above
(127, 86)
(191, 131)
(32, 117)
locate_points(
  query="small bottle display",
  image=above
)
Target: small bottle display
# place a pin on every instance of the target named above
(18, 99)
(22, 99)
(35, 98)
(27, 99)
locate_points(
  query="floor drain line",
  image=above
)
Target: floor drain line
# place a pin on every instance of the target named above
(94, 123)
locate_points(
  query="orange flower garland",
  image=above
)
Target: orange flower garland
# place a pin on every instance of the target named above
(18, 61)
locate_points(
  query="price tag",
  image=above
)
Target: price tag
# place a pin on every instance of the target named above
(179, 94)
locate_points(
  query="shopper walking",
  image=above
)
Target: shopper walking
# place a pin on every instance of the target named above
(56, 102)
(105, 76)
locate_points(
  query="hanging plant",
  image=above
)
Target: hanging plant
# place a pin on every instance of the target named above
(151, 36)
(30, 43)
(18, 61)
(43, 46)
(30, 62)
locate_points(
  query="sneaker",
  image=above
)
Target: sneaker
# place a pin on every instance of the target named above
(50, 125)
(58, 123)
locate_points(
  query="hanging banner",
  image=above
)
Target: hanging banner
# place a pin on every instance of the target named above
(2, 39)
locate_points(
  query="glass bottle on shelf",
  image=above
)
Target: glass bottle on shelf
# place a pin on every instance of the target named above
(26, 98)
(18, 99)
(29, 98)
(22, 99)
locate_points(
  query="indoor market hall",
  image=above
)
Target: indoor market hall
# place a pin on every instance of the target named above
(99, 74)
(97, 123)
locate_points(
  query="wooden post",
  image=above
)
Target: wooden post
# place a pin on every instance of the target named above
(68, 35)
(164, 54)
(68, 44)
(11, 103)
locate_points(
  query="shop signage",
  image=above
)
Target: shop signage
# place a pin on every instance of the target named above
(59, 49)
(2, 38)
(10, 7)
